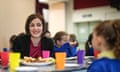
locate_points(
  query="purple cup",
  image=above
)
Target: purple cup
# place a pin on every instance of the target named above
(80, 56)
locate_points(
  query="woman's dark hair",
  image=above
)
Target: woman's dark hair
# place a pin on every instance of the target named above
(87, 44)
(29, 20)
(58, 35)
(110, 31)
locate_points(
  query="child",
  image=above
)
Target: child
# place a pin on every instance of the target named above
(11, 41)
(88, 47)
(106, 39)
(61, 40)
(73, 44)
(47, 34)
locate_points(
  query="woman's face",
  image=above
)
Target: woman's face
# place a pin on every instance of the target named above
(36, 28)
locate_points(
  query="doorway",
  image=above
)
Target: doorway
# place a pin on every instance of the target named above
(83, 29)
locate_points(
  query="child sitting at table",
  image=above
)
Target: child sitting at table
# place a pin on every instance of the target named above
(73, 44)
(89, 51)
(11, 41)
(61, 40)
(106, 39)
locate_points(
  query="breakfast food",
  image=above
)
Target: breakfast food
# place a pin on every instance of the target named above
(29, 59)
(39, 59)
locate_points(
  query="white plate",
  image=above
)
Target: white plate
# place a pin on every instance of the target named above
(86, 57)
(71, 58)
(26, 69)
(37, 63)
(71, 65)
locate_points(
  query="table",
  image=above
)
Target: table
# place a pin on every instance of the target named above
(51, 67)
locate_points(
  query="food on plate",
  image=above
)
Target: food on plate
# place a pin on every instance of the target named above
(39, 59)
(29, 59)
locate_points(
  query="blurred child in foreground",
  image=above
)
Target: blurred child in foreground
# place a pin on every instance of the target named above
(106, 39)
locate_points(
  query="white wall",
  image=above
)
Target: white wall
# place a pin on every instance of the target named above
(13, 14)
(83, 16)
(97, 13)
(69, 17)
(57, 17)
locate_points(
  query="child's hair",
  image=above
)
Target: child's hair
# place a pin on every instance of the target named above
(11, 41)
(110, 31)
(47, 31)
(73, 39)
(87, 44)
(12, 38)
(58, 35)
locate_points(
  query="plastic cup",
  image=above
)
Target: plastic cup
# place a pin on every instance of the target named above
(0, 55)
(80, 56)
(60, 60)
(45, 53)
(4, 59)
(96, 53)
(14, 61)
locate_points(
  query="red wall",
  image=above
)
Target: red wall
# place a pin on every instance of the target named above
(79, 4)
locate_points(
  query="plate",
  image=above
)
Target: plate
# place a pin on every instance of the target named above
(26, 69)
(71, 65)
(45, 61)
(87, 57)
(37, 63)
(71, 58)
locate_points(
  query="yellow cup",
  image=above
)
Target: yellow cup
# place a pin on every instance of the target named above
(14, 60)
(60, 60)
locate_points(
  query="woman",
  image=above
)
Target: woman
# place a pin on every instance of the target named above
(106, 39)
(32, 43)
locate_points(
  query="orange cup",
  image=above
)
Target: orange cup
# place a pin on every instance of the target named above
(60, 60)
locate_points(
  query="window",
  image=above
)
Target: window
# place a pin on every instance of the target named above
(83, 29)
